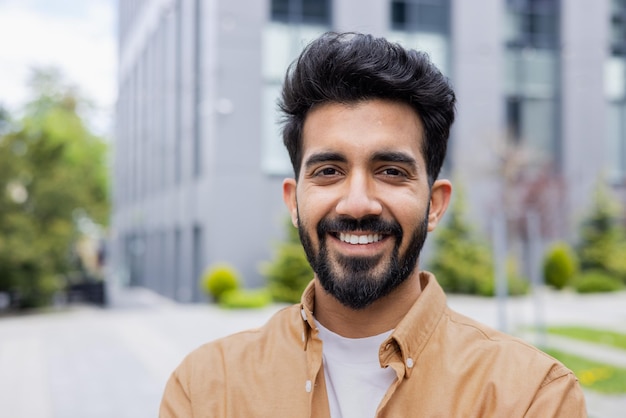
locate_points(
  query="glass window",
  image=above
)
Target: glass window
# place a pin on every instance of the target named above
(398, 14)
(614, 82)
(301, 11)
(538, 123)
(420, 15)
(615, 92)
(423, 25)
(531, 74)
(532, 23)
(616, 149)
(294, 23)
(436, 45)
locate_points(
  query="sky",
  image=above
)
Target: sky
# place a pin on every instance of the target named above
(76, 36)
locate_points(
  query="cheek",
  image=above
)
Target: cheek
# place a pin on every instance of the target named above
(312, 207)
(410, 217)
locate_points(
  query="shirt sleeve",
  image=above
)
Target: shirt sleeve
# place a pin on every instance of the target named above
(561, 397)
(175, 402)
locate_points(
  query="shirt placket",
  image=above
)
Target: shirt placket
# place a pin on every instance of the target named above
(314, 383)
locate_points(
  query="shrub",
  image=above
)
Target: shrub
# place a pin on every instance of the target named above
(218, 279)
(245, 299)
(290, 272)
(601, 234)
(596, 281)
(560, 265)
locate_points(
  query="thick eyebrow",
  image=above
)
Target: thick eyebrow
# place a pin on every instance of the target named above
(394, 157)
(324, 157)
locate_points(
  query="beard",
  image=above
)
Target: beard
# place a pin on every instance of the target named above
(356, 282)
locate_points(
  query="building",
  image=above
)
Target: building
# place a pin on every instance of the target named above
(199, 162)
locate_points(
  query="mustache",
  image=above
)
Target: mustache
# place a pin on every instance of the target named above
(373, 224)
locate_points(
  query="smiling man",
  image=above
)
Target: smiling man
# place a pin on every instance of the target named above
(366, 127)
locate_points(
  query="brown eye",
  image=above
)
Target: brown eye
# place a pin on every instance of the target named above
(328, 171)
(392, 172)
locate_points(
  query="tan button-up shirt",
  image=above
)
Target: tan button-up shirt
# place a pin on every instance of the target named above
(446, 364)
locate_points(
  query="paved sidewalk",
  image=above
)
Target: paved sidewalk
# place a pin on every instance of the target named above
(91, 362)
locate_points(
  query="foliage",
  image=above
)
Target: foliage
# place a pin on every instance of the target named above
(462, 262)
(516, 284)
(245, 299)
(602, 238)
(560, 265)
(596, 281)
(290, 272)
(52, 172)
(600, 377)
(598, 336)
(219, 279)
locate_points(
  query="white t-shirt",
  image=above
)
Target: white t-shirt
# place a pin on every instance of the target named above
(355, 382)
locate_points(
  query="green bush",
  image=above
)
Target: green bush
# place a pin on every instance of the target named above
(602, 237)
(245, 299)
(560, 265)
(219, 279)
(596, 281)
(290, 272)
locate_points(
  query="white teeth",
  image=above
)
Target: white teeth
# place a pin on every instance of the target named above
(359, 239)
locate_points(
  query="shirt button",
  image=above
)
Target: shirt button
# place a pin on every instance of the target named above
(303, 314)
(409, 362)
(308, 386)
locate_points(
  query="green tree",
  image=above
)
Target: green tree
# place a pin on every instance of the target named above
(602, 237)
(463, 262)
(52, 172)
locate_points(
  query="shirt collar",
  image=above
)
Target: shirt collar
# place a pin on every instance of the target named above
(307, 304)
(412, 333)
(415, 329)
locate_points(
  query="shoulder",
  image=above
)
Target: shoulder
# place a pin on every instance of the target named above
(229, 366)
(280, 332)
(501, 350)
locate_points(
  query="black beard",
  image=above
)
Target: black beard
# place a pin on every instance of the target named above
(360, 287)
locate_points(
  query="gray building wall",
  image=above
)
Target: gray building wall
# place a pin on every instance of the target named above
(189, 186)
(584, 55)
(477, 77)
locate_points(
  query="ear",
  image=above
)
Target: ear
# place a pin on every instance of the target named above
(289, 197)
(440, 194)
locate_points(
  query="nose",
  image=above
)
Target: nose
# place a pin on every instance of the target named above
(359, 197)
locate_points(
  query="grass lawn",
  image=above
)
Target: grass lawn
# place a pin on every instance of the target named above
(599, 377)
(598, 336)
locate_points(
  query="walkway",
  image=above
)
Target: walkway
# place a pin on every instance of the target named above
(90, 362)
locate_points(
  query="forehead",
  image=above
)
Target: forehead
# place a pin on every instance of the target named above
(363, 128)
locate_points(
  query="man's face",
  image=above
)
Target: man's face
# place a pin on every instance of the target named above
(361, 203)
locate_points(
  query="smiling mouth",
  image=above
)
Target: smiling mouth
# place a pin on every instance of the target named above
(358, 239)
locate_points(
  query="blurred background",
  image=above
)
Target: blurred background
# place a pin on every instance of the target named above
(141, 166)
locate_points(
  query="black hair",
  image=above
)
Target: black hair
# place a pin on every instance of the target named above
(352, 67)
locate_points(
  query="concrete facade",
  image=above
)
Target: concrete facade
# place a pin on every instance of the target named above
(190, 188)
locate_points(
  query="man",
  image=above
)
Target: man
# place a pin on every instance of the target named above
(366, 127)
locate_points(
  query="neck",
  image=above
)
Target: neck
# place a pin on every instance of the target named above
(382, 315)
